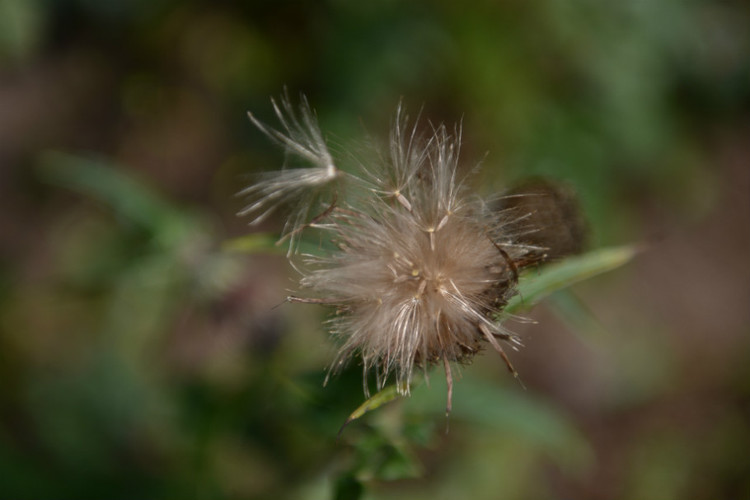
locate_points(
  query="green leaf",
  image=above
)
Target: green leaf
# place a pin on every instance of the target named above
(253, 244)
(131, 199)
(383, 396)
(117, 188)
(21, 28)
(534, 287)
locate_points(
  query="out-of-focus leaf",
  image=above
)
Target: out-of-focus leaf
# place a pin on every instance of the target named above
(514, 412)
(101, 181)
(252, 243)
(534, 287)
(21, 28)
(398, 463)
(577, 315)
(348, 488)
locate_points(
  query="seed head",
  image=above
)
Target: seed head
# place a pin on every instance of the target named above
(420, 267)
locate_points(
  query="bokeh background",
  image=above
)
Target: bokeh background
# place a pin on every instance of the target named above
(143, 357)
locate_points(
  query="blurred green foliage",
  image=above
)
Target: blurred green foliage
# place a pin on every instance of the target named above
(142, 354)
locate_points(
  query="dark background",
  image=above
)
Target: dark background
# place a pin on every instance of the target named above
(139, 358)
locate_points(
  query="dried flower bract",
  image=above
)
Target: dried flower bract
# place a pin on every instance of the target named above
(420, 267)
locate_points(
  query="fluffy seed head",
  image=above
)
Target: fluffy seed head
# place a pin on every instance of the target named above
(407, 296)
(420, 268)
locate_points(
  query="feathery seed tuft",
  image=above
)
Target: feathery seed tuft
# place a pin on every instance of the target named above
(420, 267)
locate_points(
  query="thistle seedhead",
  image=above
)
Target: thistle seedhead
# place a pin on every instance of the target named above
(421, 267)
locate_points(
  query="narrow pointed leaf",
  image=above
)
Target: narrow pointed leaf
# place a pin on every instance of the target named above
(382, 397)
(534, 287)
